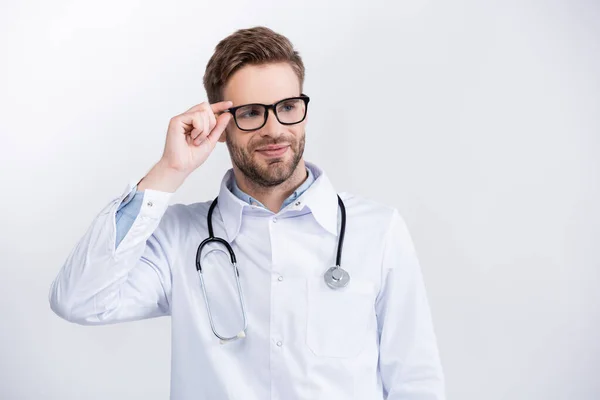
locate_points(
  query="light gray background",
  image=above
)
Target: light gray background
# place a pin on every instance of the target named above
(479, 121)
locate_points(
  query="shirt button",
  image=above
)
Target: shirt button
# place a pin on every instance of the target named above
(279, 344)
(274, 219)
(149, 204)
(280, 278)
(298, 203)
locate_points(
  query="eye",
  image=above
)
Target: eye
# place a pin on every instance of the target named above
(249, 112)
(287, 106)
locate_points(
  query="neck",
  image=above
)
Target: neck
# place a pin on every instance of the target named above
(272, 197)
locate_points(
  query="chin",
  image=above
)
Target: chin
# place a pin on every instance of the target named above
(277, 170)
(285, 159)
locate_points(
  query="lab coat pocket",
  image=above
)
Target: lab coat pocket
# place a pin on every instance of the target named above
(338, 320)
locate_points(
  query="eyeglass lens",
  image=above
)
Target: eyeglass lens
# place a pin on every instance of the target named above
(253, 116)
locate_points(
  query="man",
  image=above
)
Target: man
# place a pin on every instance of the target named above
(364, 335)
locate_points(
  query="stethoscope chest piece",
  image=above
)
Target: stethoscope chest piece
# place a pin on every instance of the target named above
(336, 277)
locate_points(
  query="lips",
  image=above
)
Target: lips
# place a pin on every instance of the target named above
(273, 150)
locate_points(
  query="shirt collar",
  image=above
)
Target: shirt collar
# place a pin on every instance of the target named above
(320, 198)
(234, 188)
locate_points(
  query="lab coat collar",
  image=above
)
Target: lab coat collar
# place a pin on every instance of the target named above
(320, 198)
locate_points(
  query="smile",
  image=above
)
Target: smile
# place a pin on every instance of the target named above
(273, 151)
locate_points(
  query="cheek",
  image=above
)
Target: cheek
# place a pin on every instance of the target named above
(297, 131)
(234, 135)
(244, 141)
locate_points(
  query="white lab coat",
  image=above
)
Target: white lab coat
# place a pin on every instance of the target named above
(371, 340)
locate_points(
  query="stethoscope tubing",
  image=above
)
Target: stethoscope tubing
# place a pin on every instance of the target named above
(334, 284)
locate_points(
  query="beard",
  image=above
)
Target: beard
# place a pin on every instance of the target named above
(277, 170)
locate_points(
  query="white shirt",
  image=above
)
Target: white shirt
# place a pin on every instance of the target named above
(372, 340)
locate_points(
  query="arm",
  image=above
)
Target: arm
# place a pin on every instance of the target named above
(409, 360)
(124, 274)
(101, 284)
(127, 213)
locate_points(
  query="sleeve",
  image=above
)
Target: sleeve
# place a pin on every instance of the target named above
(102, 284)
(409, 360)
(127, 213)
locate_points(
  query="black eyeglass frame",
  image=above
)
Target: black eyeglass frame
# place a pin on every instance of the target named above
(268, 107)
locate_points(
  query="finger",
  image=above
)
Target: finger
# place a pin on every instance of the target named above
(205, 129)
(219, 128)
(198, 124)
(212, 120)
(197, 107)
(190, 123)
(216, 107)
(206, 124)
(220, 106)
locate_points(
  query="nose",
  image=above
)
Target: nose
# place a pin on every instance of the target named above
(272, 126)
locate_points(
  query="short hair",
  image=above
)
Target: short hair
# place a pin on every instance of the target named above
(253, 46)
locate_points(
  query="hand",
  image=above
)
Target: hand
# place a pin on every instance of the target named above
(191, 137)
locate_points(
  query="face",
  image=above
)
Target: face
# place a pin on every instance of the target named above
(264, 84)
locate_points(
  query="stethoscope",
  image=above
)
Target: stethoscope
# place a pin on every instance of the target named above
(335, 277)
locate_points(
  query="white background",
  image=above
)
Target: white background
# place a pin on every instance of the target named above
(479, 121)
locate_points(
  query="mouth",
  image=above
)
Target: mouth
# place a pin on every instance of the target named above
(273, 150)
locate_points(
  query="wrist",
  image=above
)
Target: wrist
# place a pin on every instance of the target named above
(163, 178)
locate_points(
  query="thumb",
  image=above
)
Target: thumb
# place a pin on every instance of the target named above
(222, 122)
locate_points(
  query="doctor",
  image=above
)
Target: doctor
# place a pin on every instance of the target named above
(292, 334)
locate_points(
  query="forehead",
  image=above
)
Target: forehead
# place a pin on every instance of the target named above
(265, 84)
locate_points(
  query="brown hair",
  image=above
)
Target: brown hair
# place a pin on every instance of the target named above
(253, 46)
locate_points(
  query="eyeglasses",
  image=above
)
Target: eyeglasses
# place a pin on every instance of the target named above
(251, 117)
